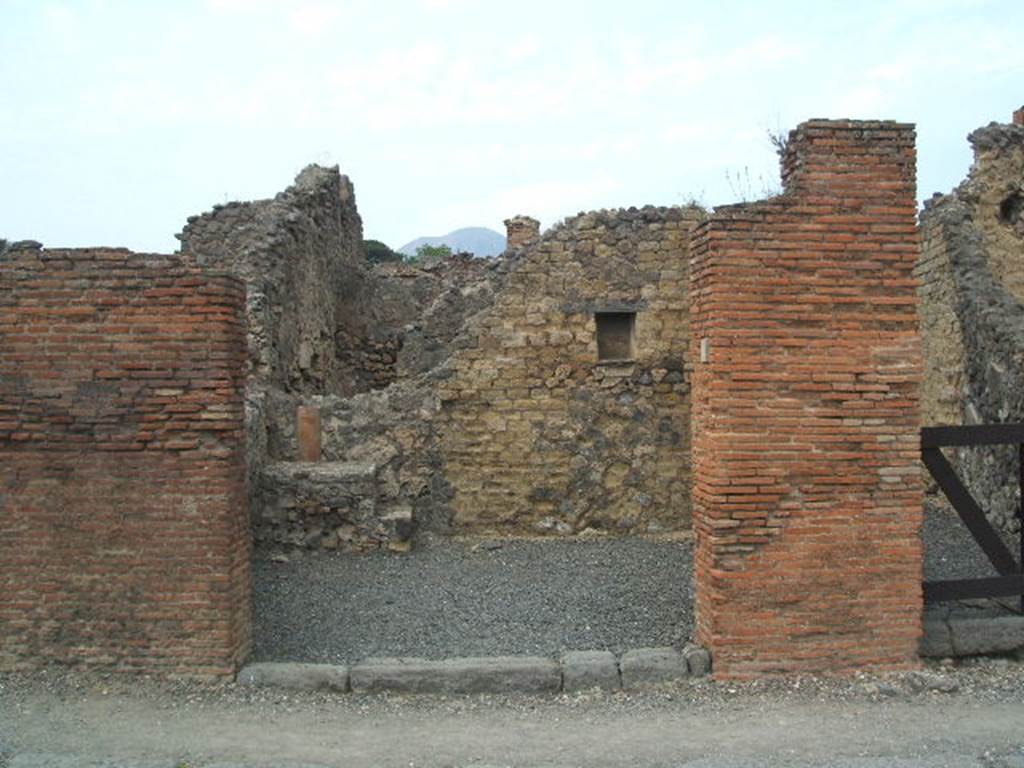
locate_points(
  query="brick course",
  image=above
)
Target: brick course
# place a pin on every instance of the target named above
(807, 493)
(123, 529)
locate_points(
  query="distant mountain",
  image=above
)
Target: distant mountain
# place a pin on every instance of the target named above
(480, 241)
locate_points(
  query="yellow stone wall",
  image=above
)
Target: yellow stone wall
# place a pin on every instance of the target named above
(539, 436)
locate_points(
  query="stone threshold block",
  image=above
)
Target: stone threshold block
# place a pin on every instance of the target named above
(295, 676)
(575, 671)
(642, 666)
(498, 674)
(583, 670)
(951, 636)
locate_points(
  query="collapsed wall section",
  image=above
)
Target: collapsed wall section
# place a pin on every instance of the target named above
(807, 489)
(123, 535)
(971, 270)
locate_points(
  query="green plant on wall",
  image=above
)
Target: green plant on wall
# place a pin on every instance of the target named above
(379, 253)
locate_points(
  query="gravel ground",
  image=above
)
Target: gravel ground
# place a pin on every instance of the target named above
(950, 552)
(489, 597)
(458, 597)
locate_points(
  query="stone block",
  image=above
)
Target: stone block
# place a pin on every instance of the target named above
(590, 669)
(937, 641)
(995, 634)
(295, 676)
(497, 674)
(698, 660)
(652, 665)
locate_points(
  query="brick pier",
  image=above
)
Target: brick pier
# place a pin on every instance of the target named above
(807, 494)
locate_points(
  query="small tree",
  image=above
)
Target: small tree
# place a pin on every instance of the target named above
(431, 252)
(379, 253)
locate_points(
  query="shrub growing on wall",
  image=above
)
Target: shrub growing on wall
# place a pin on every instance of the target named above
(425, 252)
(379, 253)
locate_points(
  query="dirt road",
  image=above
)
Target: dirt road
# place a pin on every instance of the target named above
(905, 720)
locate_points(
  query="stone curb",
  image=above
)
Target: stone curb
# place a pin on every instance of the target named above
(582, 670)
(498, 674)
(296, 677)
(652, 665)
(575, 671)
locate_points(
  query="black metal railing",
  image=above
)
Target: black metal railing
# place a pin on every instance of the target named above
(1010, 581)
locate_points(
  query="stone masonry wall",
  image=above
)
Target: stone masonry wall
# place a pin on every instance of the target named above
(972, 312)
(123, 535)
(519, 428)
(300, 256)
(301, 259)
(419, 309)
(807, 488)
(535, 434)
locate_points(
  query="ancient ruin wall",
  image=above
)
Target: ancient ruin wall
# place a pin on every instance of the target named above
(300, 256)
(807, 488)
(535, 433)
(123, 534)
(972, 311)
(417, 311)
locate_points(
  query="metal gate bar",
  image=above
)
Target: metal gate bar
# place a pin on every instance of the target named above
(1010, 580)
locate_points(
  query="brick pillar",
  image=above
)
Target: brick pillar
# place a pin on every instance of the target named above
(1018, 117)
(521, 231)
(807, 496)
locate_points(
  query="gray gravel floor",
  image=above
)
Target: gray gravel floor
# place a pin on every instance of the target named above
(464, 598)
(950, 552)
(488, 598)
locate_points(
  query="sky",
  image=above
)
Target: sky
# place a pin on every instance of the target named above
(119, 119)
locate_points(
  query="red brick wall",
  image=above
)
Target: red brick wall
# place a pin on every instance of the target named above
(123, 529)
(807, 497)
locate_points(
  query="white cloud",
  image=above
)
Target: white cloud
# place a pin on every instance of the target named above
(861, 102)
(688, 132)
(443, 5)
(524, 48)
(547, 201)
(313, 19)
(760, 52)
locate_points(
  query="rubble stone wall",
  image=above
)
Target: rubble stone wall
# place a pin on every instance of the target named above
(418, 310)
(972, 312)
(300, 256)
(807, 493)
(123, 535)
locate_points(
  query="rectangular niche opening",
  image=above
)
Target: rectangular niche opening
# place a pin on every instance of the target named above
(615, 331)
